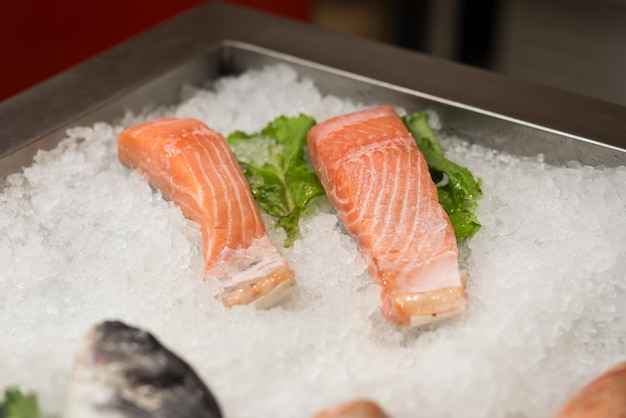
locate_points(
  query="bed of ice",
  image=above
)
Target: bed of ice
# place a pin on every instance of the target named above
(84, 239)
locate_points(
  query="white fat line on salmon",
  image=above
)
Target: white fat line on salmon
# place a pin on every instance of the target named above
(381, 199)
(353, 215)
(245, 200)
(346, 120)
(227, 179)
(218, 166)
(409, 194)
(230, 178)
(385, 198)
(359, 156)
(415, 225)
(366, 150)
(208, 243)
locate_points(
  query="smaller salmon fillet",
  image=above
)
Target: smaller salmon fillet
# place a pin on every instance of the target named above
(603, 397)
(361, 408)
(378, 181)
(192, 166)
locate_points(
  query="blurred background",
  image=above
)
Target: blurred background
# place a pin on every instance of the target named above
(576, 45)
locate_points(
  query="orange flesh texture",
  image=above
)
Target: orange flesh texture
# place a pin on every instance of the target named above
(354, 409)
(378, 181)
(604, 397)
(192, 166)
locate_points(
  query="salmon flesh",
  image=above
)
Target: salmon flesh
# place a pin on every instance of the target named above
(603, 397)
(360, 408)
(192, 165)
(378, 181)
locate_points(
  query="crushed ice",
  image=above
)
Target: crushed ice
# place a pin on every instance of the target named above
(84, 239)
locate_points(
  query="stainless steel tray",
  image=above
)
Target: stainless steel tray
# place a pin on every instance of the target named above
(218, 39)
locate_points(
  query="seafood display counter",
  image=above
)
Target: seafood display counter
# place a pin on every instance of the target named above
(93, 242)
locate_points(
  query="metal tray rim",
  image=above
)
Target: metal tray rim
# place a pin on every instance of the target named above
(56, 103)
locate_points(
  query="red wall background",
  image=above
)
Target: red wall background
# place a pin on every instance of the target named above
(41, 38)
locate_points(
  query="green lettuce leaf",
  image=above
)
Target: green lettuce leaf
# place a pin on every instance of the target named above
(274, 164)
(459, 196)
(18, 405)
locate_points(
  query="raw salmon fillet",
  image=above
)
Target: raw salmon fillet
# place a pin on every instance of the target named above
(360, 408)
(603, 397)
(192, 165)
(379, 183)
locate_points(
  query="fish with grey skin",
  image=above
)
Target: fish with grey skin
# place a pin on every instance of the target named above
(125, 372)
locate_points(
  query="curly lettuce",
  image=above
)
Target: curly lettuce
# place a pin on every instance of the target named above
(19, 405)
(274, 164)
(458, 191)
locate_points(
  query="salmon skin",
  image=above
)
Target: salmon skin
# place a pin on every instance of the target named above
(378, 181)
(192, 165)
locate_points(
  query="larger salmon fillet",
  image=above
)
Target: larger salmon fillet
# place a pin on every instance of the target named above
(379, 183)
(192, 165)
